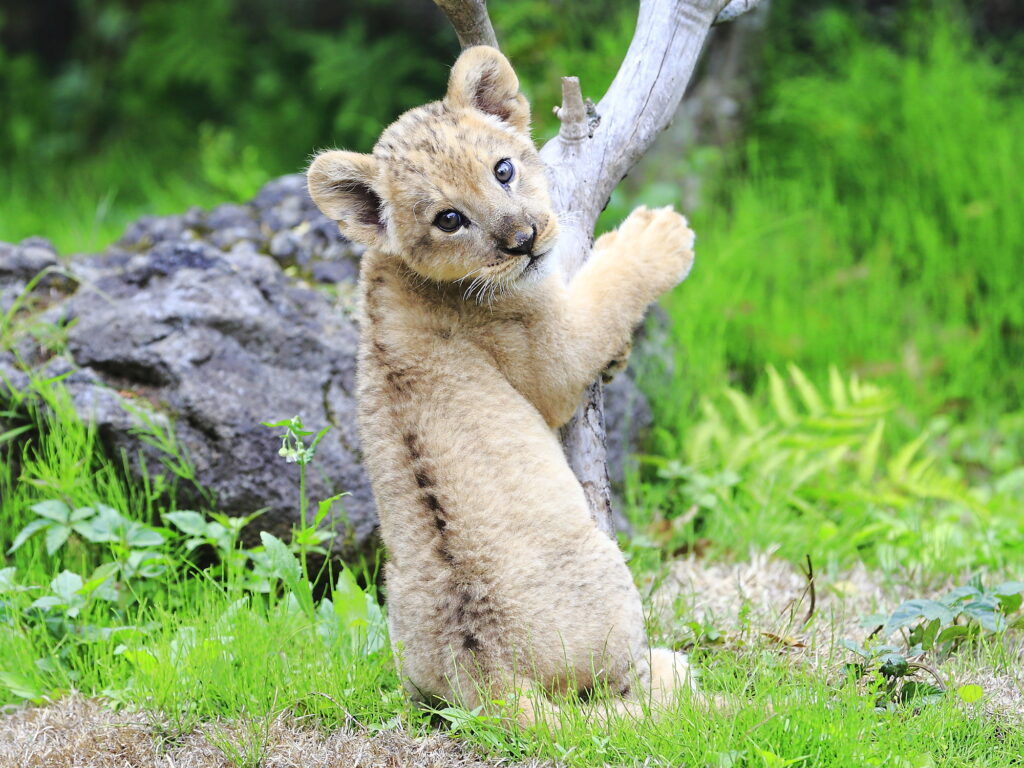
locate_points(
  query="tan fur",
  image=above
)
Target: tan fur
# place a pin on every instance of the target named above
(498, 579)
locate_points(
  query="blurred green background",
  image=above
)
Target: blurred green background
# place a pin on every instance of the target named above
(857, 202)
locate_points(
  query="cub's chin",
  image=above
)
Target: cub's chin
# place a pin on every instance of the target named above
(537, 267)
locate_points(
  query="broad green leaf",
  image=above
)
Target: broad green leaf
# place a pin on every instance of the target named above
(985, 613)
(66, 585)
(970, 693)
(731, 759)
(221, 536)
(192, 523)
(1011, 482)
(106, 526)
(145, 564)
(376, 632)
(324, 508)
(7, 579)
(780, 397)
(302, 591)
(101, 582)
(918, 760)
(52, 509)
(81, 513)
(808, 393)
(951, 633)
(925, 634)
(282, 563)
(139, 535)
(855, 647)
(349, 600)
(1009, 588)
(960, 594)
(56, 535)
(20, 685)
(771, 760)
(1010, 603)
(26, 532)
(912, 610)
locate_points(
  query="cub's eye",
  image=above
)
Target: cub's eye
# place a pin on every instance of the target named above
(504, 171)
(449, 221)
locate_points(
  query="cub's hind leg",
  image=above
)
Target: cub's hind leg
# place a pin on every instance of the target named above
(670, 673)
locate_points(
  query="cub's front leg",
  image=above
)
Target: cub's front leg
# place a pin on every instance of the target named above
(631, 267)
(649, 254)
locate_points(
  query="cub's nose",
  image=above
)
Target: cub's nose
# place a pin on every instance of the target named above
(522, 242)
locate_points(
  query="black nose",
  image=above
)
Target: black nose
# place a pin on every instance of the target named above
(523, 243)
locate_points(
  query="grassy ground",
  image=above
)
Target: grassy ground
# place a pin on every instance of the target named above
(869, 235)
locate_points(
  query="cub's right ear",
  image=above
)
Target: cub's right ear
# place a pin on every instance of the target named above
(341, 185)
(483, 79)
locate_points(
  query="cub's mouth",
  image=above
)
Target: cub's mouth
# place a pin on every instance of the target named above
(535, 259)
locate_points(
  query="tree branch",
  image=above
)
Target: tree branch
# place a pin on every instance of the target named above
(470, 21)
(572, 113)
(587, 161)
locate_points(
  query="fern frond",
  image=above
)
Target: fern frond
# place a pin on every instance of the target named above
(812, 400)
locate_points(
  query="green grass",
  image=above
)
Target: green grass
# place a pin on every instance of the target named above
(784, 717)
(870, 222)
(86, 205)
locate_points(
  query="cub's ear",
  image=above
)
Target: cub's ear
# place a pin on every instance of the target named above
(341, 185)
(483, 78)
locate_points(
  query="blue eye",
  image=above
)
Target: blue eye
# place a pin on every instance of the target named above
(504, 171)
(449, 221)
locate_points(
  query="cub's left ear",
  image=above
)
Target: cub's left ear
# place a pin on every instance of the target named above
(483, 79)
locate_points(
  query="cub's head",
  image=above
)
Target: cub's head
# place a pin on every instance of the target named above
(455, 188)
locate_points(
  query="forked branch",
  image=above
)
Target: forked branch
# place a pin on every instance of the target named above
(587, 161)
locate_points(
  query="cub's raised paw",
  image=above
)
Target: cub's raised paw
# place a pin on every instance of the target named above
(661, 242)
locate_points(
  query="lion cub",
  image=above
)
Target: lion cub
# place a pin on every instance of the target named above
(473, 352)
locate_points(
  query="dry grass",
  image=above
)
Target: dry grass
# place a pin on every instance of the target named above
(766, 599)
(76, 732)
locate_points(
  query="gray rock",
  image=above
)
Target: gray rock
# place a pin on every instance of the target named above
(189, 329)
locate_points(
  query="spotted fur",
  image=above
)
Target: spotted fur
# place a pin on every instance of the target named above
(473, 352)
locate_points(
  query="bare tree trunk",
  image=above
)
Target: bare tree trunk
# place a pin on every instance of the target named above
(593, 151)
